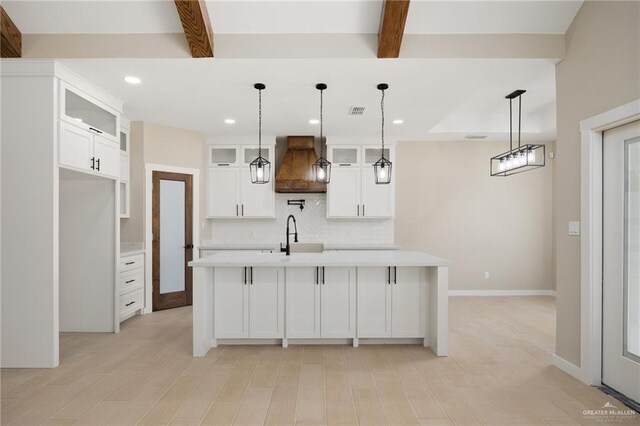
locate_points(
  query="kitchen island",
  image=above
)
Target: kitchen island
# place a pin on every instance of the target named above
(343, 297)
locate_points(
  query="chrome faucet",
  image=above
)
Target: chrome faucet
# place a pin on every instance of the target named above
(287, 249)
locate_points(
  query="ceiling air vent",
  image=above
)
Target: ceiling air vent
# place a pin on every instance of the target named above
(356, 110)
(475, 137)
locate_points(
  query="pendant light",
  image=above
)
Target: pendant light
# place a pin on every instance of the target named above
(382, 167)
(523, 157)
(260, 167)
(322, 166)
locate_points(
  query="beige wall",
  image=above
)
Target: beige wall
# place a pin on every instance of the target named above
(448, 205)
(600, 72)
(168, 146)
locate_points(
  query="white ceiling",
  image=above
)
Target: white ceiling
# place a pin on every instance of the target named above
(441, 99)
(293, 16)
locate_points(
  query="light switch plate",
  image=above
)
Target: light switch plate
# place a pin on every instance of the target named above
(574, 228)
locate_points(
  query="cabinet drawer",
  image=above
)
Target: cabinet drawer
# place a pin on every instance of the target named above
(130, 302)
(132, 280)
(131, 262)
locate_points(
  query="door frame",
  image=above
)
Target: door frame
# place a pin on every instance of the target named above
(592, 129)
(148, 222)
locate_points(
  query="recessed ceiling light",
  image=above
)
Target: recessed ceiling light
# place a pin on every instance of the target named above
(132, 79)
(398, 121)
(230, 121)
(314, 121)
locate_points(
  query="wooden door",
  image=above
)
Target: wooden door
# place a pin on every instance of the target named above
(172, 239)
(338, 302)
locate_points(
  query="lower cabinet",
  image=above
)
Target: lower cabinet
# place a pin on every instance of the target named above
(321, 302)
(131, 285)
(392, 302)
(249, 302)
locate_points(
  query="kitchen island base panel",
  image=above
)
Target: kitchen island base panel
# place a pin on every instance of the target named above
(433, 293)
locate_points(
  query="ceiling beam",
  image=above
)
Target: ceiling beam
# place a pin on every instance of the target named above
(394, 16)
(10, 37)
(197, 27)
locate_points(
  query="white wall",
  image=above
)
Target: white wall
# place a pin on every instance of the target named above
(447, 204)
(313, 225)
(29, 223)
(87, 252)
(601, 71)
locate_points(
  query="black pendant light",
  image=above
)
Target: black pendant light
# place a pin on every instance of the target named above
(260, 167)
(382, 167)
(322, 166)
(523, 157)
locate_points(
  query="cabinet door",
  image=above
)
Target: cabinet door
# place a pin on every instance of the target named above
(124, 168)
(408, 302)
(223, 189)
(266, 303)
(75, 147)
(230, 301)
(258, 200)
(377, 200)
(107, 154)
(343, 196)
(303, 303)
(338, 302)
(374, 302)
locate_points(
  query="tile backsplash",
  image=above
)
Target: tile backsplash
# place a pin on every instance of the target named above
(313, 225)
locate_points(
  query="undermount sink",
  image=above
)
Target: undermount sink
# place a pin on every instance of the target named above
(307, 248)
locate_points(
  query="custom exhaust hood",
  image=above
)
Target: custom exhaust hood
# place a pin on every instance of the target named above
(295, 174)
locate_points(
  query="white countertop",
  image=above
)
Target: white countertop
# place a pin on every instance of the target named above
(328, 258)
(275, 246)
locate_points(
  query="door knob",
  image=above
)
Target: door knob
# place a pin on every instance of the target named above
(188, 246)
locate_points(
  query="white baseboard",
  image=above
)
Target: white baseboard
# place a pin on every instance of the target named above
(502, 293)
(567, 367)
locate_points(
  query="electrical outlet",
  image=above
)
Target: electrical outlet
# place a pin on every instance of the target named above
(487, 275)
(574, 228)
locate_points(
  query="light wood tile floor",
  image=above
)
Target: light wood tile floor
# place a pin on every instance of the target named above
(498, 373)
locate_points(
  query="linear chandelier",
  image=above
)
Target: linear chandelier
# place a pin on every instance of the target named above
(523, 157)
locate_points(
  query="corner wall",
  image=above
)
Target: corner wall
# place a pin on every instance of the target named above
(447, 204)
(601, 71)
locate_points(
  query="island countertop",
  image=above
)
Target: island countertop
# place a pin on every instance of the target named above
(327, 258)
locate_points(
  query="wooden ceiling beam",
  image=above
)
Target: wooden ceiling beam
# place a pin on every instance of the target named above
(394, 16)
(197, 27)
(10, 37)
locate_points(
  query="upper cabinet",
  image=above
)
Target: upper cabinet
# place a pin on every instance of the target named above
(230, 192)
(89, 133)
(353, 192)
(82, 110)
(125, 169)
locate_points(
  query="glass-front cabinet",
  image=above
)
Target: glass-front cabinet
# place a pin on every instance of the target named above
(82, 110)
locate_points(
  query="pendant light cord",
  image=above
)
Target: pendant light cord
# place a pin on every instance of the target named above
(382, 131)
(322, 147)
(260, 123)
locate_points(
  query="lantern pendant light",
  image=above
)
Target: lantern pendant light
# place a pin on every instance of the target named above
(382, 167)
(523, 157)
(260, 167)
(322, 166)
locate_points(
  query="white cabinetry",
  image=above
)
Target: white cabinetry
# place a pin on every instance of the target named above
(86, 151)
(125, 170)
(353, 192)
(249, 302)
(321, 302)
(131, 285)
(230, 192)
(392, 302)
